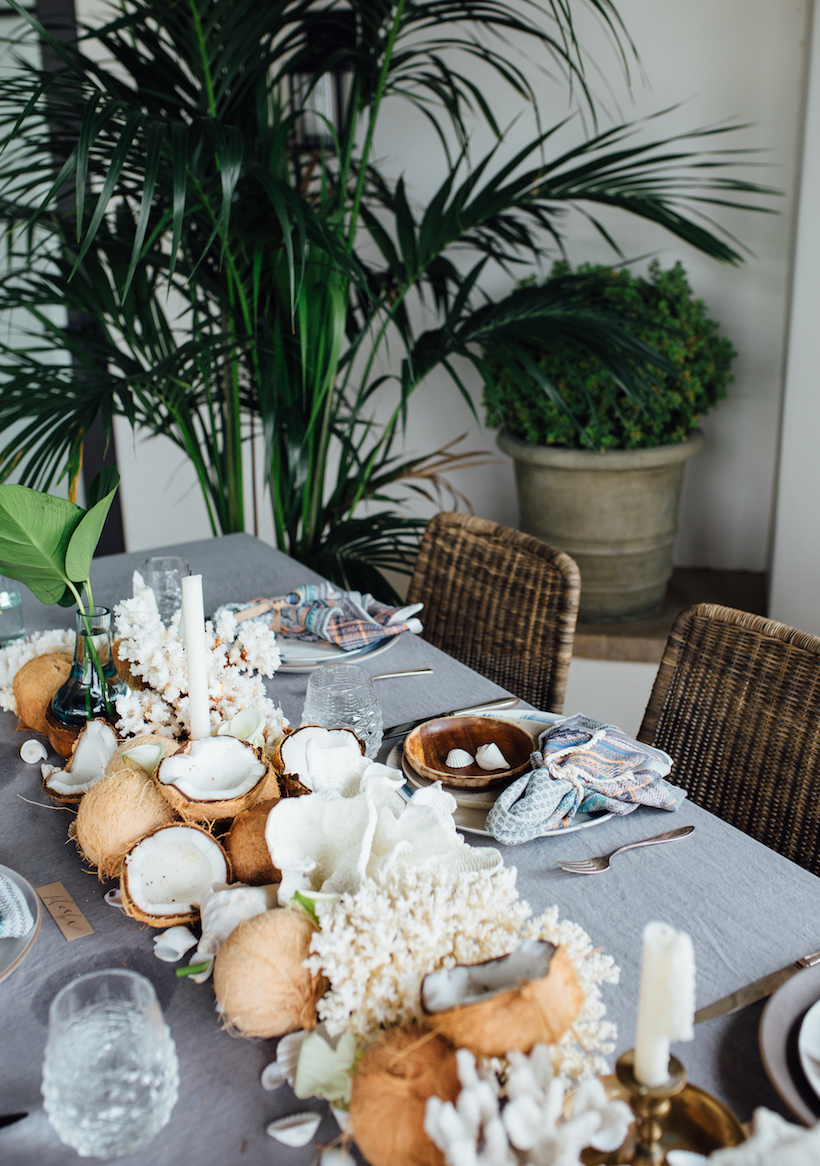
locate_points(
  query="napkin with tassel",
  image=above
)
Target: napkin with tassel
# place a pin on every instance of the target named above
(15, 917)
(582, 764)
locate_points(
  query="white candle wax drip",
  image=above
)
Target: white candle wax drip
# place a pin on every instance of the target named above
(196, 658)
(666, 1005)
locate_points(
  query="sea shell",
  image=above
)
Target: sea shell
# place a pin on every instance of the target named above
(171, 945)
(33, 751)
(287, 1058)
(491, 757)
(296, 1130)
(459, 759)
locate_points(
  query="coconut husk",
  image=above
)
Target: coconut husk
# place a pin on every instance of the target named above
(391, 1086)
(192, 809)
(172, 919)
(123, 668)
(62, 738)
(34, 686)
(247, 849)
(115, 814)
(537, 1012)
(260, 983)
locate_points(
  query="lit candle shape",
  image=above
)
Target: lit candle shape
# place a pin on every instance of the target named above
(666, 1005)
(196, 656)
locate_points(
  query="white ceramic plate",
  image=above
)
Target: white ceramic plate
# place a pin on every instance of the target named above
(12, 951)
(808, 1046)
(302, 656)
(779, 1033)
(474, 821)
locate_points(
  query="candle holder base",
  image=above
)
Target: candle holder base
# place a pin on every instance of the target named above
(672, 1116)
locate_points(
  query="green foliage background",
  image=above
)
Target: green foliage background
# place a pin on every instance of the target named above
(594, 411)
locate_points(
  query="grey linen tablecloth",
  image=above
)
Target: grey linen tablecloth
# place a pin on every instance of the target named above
(748, 910)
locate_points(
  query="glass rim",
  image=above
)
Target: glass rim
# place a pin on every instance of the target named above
(141, 982)
(351, 675)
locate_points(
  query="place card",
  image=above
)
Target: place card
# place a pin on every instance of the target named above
(64, 911)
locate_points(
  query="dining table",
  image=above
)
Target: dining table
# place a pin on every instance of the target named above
(748, 910)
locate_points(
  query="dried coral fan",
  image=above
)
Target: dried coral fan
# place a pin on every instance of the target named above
(239, 656)
(376, 946)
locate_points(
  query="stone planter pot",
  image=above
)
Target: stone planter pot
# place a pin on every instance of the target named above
(615, 513)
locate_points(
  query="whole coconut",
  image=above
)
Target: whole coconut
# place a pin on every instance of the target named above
(261, 987)
(34, 686)
(123, 807)
(247, 849)
(391, 1086)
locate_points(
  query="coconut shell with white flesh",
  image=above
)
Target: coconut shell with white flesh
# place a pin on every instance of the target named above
(291, 756)
(92, 751)
(35, 684)
(116, 813)
(528, 997)
(142, 754)
(216, 777)
(261, 986)
(391, 1086)
(165, 876)
(247, 849)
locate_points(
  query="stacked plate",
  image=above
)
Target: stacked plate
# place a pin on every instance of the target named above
(13, 951)
(304, 656)
(790, 1043)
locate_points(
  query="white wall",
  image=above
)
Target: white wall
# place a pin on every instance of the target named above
(736, 58)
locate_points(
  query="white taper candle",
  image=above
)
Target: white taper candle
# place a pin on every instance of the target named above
(666, 1005)
(196, 656)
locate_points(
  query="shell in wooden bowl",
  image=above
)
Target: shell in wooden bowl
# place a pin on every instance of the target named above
(427, 747)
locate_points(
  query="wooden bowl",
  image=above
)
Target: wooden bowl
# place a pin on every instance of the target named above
(427, 747)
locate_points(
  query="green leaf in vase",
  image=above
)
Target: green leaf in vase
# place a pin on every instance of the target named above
(84, 540)
(35, 532)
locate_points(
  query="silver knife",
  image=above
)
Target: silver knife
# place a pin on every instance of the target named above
(503, 702)
(761, 988)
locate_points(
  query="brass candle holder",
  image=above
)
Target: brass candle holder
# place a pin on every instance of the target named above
(671, 1116)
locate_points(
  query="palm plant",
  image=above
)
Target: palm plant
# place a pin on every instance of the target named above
(227, 284)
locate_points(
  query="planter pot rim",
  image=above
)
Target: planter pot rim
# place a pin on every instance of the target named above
(591, 460)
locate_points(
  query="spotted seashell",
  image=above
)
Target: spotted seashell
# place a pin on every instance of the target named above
(459, 759)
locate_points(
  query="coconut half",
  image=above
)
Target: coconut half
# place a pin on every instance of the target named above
(216, 777)
(305, 749)
(391, 1086)
(528, 997)
(92, 751)
(166, 875)
(35, 684)
(116, 813)
(142, 754)
(262, 988)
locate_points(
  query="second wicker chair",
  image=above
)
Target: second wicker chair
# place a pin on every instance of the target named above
(500, 601)
(736, 703)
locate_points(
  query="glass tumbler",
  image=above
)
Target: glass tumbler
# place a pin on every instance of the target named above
(163, 574)
(342, 696)
(110, 1076)
(11, 612)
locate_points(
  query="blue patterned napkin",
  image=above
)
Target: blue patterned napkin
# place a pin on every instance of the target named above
(582, 764)
(15, 917)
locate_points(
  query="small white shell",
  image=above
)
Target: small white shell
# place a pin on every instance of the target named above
(296, 1130)
(459, 759)
(33, 751)
(287, 1058)
(491, 757)
(342, 1118)
(114, 898)
(171, 945)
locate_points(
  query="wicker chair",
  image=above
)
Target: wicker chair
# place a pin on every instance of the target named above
(736, 703)
(500, 601)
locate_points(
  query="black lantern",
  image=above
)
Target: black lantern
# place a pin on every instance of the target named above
(320, 79)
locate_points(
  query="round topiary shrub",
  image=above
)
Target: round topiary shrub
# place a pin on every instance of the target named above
(662, 312)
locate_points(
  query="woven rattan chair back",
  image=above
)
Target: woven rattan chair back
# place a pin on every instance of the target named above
(500, 601)
(736, 703)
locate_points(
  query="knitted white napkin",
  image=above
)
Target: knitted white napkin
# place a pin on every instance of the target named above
(15, 918)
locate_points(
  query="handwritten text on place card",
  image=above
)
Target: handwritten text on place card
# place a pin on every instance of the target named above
(64, 911)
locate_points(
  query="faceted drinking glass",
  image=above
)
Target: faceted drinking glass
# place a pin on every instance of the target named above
(163, 574)
(110, 1077)
(342, 696)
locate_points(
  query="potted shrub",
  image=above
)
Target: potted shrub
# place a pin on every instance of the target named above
(599, 472)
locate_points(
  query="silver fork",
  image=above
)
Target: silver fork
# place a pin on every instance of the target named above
(594, 865)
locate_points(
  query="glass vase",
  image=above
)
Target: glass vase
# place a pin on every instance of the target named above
(93, 682)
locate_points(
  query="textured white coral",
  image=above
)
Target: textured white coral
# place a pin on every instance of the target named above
(238, 657)
(13, 657)
(534, 1128)
(773, 1142)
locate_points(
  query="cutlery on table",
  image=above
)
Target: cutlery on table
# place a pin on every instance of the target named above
(501, 702)
(755, 991)
(402, 672)
(595, 865)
